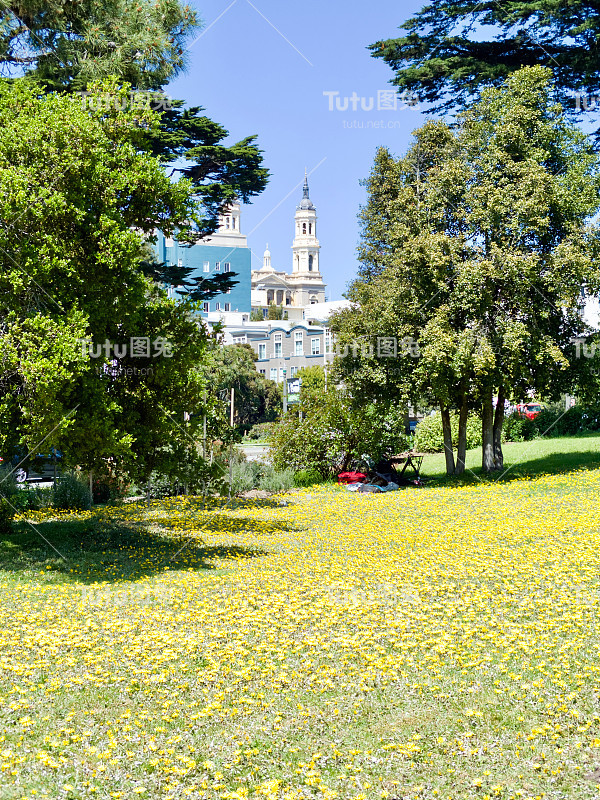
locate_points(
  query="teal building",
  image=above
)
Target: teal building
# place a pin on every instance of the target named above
(225, 251)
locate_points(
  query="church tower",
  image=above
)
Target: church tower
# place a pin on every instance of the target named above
(306, 247)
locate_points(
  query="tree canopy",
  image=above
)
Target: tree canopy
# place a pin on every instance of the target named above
(78, 198)
(475, 248)
(446, 54)
(66, 44)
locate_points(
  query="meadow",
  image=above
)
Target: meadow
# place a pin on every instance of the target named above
(437, 642)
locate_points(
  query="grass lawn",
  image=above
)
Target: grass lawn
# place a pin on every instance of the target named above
(437, 642)
(522, 459)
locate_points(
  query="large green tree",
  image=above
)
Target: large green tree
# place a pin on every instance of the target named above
(77, 200)
(65, 44)
(445, 59)
(482, 254)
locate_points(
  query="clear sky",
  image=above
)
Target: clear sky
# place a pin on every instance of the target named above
(261, 67)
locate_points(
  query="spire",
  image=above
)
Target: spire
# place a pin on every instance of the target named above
(306, 202)
(267, 260)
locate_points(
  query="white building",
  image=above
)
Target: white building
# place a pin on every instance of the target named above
(304, 286)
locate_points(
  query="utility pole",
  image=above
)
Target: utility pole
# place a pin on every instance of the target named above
(285, 394)
(204, 430)
(231, 442)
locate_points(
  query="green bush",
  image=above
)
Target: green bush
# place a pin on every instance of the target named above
(248, 475)
(333, 433)
(245, 476)
(262, 430)
(7, 515)
(72, 493)
(307, 477)
(277, 481)
(517, 428)
(429, 437)
(9, 488)
(552, 421)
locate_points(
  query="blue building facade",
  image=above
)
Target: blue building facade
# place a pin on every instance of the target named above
(226, 251)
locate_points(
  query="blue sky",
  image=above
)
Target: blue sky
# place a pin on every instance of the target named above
(261, 67)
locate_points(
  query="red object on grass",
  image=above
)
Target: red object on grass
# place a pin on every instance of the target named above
(351, 477)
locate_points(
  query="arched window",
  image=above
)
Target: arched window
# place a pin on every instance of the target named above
(310, 263)
(310, 227)
(304, 227)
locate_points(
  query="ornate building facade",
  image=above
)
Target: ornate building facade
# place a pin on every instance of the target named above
(304, 285)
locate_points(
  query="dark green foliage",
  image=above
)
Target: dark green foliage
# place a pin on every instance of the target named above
(442, 61)
(429, 436)
(72, 493)
(307, 477)
(261, 430)
(334, 432)
(7, 515)
(66, 44)
(553, 421)
(197, 288)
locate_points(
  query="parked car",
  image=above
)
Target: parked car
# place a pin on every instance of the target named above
(35, 468)
(529, 410)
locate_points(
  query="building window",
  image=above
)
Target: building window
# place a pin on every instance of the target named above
(278, 346)
(262, 372)
(218, 266)
(281, 373)
(310, 227)
(293, 372)
(227, 223)
(217, 306)
(304, 227)
(233, 223)
(327, 340)
(206, 266)
(227, 306)
(298, 344)
(227, 267)
(206, 306)
(310, 263)
(262, 351)
(169, 242)
(180, 262)
(315, 346)
(273, 373)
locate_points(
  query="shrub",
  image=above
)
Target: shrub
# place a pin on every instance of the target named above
(262, 430)
(7, 515)
(429, 437)
(245, 476)
(518, 429)
(334, 433)
(307, 477)
(72, 493)
(9, 488)
(33, 498)
(552, 421)
(277, 481)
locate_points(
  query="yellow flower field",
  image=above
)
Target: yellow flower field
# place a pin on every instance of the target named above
(428, 643)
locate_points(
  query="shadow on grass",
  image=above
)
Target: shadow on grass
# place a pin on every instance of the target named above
(97, 549)
(551, 464)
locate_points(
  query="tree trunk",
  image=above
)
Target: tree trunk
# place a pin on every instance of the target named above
(462, 434)
(487, 432)
(447, 430)
(498, 424)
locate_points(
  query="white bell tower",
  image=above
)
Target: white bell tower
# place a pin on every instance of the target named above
(306, 247)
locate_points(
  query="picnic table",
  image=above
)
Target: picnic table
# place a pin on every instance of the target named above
(410, 459)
